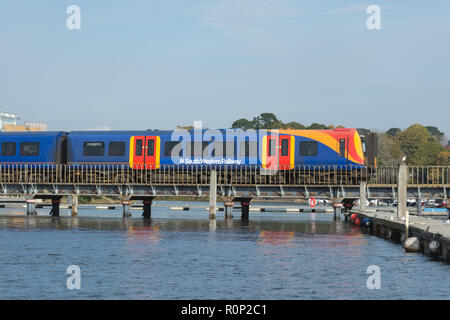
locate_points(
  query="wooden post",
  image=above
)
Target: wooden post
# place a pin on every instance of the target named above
(228, 209)
(213, 194)
(31, 207)
(362, 196)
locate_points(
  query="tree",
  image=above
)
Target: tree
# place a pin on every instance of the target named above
(393, 131)
(418, 145)
(293, 125)
(317, 126)
(389, 151)
(242, 124)
(267, 121)
(443, 158)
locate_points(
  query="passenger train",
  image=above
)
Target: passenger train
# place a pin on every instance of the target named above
(151, 149)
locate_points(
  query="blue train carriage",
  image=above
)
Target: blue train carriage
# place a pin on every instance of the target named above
(31, 149)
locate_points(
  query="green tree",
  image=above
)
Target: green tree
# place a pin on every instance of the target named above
(393, 131)
(242, 124)
(419, 146)
(293, 125)
(389, 151)
(317, 126)
(443, 158)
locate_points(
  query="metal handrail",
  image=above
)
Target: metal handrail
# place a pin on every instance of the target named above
(105, 174)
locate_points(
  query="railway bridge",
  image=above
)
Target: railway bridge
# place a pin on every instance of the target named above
(340, 184)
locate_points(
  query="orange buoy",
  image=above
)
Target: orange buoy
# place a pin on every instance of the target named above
(357, 221)
(354, 216)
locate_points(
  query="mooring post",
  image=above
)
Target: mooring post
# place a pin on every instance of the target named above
(213, 194)
(448, 212)
(126, 208)
(228, 209)
(401, 192)
(31, 207)
(55, 207)
(74, 201)
(362, 196)
(147, 208)
(245, 206)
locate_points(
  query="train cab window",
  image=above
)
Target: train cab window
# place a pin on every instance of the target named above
(284, 147)
(94, 149)
(117, 148)
(29, 149)
(150, 147)
(8, 149)
(272, 147)
(169, 146)
(308, 148)
(341, 147)
(139, 144)
(248, 149)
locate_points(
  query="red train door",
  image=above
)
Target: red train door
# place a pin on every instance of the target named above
(278, 154)
(284, 152)
(139, 152)
(150, 152)
(145, 153)
(343, 147)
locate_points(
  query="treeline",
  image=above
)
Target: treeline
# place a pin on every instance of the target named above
(422, 146)
(270, 121)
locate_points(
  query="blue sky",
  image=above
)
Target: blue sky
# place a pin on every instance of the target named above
(156, 64)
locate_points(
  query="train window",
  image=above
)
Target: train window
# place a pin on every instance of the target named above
(197, 148)
(8, 149)
(248, 149)
(341, 147)
(138, 151)
(117, 148)
(308, 148)
(284, 147)
(272, 147)
(94, 149)
(150, 147)
(29, 149)
(169, 146)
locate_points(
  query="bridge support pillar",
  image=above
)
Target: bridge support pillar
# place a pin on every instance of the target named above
(448, 212)
(245, 205)
(419, 206)
(55, 207)
(213, 194)
(126, 208)
(74, 203)
(362, 196)
(228, 209)
(31, 207)
(337, 207)
(147, 214)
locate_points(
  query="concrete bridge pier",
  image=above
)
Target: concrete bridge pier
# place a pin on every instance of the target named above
(147, 214)
(55, 207)
(245, 205)
(31, 207)
(213, 194)
(419, 206)
(362, 196)
(337, 207)
(74, 203)
(126, 208)
(228, 209)
(448, 212)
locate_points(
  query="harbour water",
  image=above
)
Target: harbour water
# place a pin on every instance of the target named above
(182, 255)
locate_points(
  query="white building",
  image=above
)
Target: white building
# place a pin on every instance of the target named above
(8, 118)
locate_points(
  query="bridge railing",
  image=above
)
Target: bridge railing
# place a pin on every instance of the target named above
(100, 174)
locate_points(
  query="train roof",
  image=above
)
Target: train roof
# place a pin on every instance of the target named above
(32, 133)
